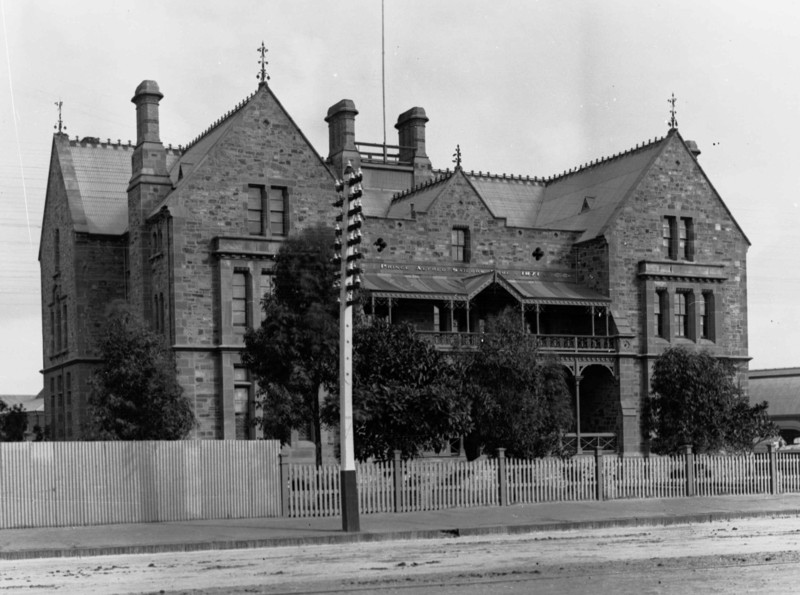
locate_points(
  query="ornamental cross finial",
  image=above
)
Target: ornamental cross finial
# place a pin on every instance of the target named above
(457, 157)
(60, 126)
(673, 122)
(263, 76)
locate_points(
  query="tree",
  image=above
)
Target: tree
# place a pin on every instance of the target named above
(13, 422)
(406, 395)
(135, 394)
(520, 399)
(695, 400)
(293, 354)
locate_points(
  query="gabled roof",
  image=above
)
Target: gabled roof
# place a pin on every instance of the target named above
(196, 150)
(586, 199)
(96, 177)
(421, 196)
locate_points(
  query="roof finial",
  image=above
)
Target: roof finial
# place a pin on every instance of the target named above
(60, 126)
(457, 157)
(673, 123)
(263, 76)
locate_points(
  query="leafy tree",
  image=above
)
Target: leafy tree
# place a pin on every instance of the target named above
(135, 394)
(13, 422)
(520, 399)
(293, 354)
(406, 395)
(695, 400)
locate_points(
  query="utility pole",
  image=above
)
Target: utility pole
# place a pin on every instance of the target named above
(348, 239)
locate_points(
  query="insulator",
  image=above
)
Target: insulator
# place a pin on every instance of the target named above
(337, 230)
(337, 259)
(338, 202)
(355, 193)
(339, 185)
(354, 226)
(339, 218)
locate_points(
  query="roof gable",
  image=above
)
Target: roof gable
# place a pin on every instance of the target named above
(192, 160)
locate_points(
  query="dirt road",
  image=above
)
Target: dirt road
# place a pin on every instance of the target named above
(759, 555)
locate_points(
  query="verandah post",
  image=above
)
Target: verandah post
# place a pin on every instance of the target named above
(773, 469)
(397, 475)
(501, 476)
(689, 459)
(598, 473)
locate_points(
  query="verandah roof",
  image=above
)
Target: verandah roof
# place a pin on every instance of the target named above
(440, 288)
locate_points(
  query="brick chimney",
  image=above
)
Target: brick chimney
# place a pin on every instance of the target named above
(341, 121)
(149, 185)
(411, 138)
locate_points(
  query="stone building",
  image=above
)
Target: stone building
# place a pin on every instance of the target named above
(608, 264)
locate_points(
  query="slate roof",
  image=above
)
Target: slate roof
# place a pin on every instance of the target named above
(97, 183)
(779, 387)
(582, 199)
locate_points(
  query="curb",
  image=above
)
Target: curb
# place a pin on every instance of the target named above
(345, 538)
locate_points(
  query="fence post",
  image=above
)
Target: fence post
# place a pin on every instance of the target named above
(501, 476)
(283, 459)
(598, 473)
(773, 469)
(689, 459)
(397, 474)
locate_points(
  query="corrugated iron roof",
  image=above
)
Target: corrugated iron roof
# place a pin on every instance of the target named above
(461, 289)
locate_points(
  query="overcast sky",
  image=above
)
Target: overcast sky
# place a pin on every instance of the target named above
(524, 87)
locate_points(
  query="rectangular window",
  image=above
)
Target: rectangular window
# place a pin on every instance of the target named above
(277, 211)
(255, 210)
(668, 232)
(706, 306)
(239, 300)
(58, 328)
(681, 319)
(162, 312)
(659, 310)
(459, 244)
(65, 323)
(241, 402)
(686, 238)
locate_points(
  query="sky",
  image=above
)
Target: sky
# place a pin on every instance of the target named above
(523, 87)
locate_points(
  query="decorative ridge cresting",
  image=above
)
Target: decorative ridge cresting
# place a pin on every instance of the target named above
(221, 120)
(439, 178)
(95, 142)
(603, 160)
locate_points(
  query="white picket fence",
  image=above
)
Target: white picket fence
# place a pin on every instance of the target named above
(426, 485)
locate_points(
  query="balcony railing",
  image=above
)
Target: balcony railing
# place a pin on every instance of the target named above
(385, 154)
(454, 341)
